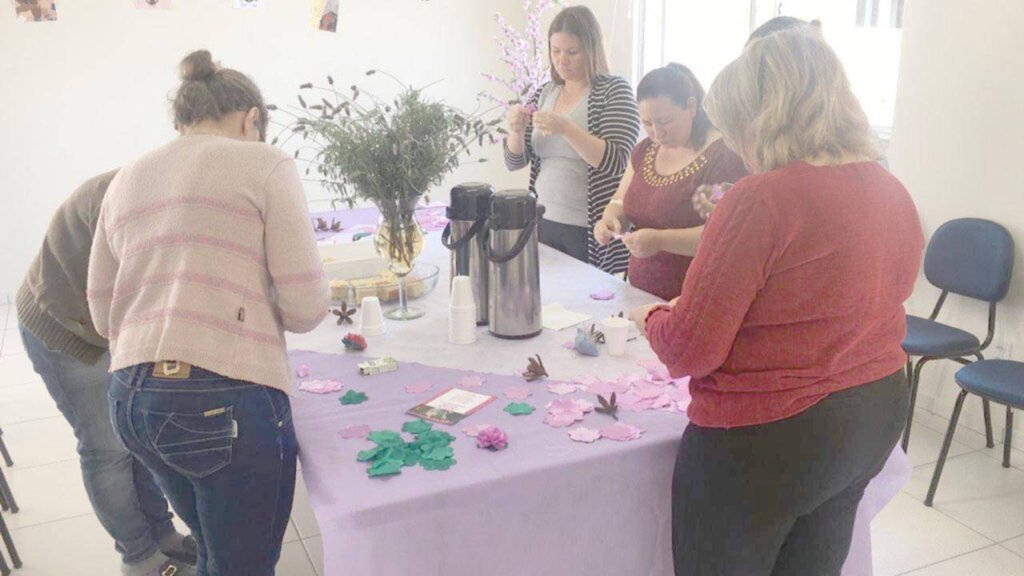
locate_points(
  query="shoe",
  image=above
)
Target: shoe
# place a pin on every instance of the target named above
(172, 568)
(186, 552)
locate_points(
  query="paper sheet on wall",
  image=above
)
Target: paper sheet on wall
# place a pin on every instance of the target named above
(35, 11)
(325, 15)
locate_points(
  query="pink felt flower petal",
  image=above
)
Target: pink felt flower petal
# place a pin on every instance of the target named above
(570, 345)
(562, 388)
(302, 371)
(358, 431)
(586, 435)
(518, 393)
(559, 420)
(600, 388)
(602, 295)
(320, 386)
(630, 403)
(474, 430)
(471, 382)
(621, 432)
(655, 368)
(419, 388)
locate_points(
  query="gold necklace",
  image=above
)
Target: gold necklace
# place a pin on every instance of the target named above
(652, 178)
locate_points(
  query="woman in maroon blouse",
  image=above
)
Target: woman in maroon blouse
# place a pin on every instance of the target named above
(790, 322)
(682, 152)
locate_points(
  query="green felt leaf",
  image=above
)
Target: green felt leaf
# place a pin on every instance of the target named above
(353, 397)
(436, 437)
(385, 437)
(438, 464)
(438, 453)
(417, 427)
(519, 408)
(384, 468)
(369, 454)
(412, 457)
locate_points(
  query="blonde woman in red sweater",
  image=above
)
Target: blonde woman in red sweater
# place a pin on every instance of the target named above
(790, 322)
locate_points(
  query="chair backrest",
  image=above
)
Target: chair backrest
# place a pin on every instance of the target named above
(971, 257)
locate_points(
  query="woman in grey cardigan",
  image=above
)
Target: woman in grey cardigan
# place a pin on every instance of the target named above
(576, 134)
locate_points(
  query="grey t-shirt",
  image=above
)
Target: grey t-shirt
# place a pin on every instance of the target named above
(562, 182)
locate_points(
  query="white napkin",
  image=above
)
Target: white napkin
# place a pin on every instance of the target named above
(557, 318)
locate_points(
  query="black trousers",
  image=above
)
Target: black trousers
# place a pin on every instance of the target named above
(780, 499)
(565, 238)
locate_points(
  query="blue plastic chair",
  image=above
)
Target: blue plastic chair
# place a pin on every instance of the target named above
(999, 381)
(973, 258)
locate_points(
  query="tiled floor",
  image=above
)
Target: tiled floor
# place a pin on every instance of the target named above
(975, 529)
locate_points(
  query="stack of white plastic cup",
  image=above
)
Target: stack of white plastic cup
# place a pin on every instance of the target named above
(462, 312)
(371, 321)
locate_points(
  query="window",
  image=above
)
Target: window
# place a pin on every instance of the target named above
(706, 36)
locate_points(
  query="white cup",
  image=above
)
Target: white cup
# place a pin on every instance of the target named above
(462, 292)
(616, 334)
(371, 319)
(462, 324)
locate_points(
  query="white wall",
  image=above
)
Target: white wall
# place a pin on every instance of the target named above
(89, 92)
(958, 142)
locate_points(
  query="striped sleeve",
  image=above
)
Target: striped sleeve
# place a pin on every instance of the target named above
(618, 126)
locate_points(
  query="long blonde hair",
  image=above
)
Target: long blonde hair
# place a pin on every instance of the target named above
(787, 98)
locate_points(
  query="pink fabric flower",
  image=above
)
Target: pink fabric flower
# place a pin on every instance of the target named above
(302, 371)
(492, 438)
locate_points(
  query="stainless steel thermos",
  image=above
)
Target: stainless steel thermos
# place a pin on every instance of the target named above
(465, 236)
(514, 304)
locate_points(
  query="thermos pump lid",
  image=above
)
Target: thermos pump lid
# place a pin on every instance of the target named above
(513, 209)
(470, 201)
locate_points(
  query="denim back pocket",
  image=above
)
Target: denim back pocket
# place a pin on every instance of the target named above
(196, 445)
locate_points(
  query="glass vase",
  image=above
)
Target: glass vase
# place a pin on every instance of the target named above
(400, 240)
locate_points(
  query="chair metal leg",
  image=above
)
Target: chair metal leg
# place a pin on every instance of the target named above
(945, 448)
(914, 379)
(1008, 437)
(989, 442)
(5, 533)
(4, 505)
(5, 570)
(5, 488)
(3, 450)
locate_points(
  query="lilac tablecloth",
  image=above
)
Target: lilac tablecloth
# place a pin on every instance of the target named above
(546, 506)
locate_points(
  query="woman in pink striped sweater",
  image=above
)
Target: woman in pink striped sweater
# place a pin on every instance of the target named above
(203, 257)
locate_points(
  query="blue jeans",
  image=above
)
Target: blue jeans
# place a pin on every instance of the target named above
(224, 452)
(123, 493)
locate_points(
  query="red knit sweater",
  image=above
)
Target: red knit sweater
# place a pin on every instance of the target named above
(796, 292)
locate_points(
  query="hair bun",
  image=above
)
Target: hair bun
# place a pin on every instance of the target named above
(197, 66)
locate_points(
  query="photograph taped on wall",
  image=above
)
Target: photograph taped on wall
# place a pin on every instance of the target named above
(35, 10)
(152, 4)
(325, 15)
(242, 4)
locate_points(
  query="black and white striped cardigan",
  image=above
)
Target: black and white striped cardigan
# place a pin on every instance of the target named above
(613, 117)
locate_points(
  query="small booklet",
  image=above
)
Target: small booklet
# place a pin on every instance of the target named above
(451, 406)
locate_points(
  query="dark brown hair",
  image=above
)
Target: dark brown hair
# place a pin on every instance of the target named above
(677, 83)
(581, 23)
(209, 92)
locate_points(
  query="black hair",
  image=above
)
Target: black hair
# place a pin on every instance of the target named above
(677, 83)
